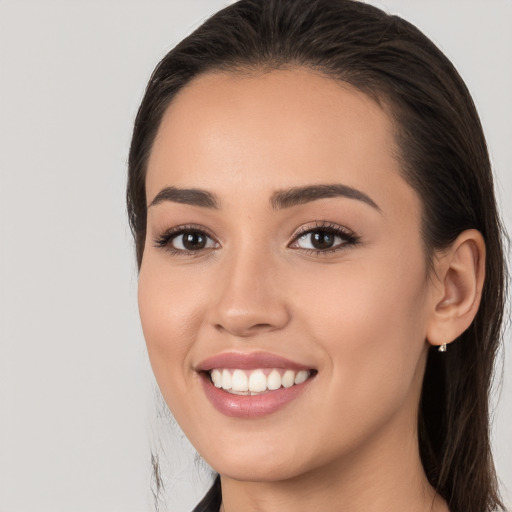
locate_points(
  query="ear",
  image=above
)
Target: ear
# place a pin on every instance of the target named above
(458, 281)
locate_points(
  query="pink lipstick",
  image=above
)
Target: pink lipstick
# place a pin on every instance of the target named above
(250, 385)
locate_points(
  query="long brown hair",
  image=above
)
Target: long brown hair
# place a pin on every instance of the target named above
(443, 156)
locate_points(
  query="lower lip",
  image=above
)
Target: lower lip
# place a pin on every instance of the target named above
(245, 406)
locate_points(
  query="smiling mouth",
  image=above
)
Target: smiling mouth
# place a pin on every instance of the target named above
(257, 381)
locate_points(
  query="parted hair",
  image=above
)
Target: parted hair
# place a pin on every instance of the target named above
(443, 156)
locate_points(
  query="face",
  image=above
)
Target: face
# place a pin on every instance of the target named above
(283, 262)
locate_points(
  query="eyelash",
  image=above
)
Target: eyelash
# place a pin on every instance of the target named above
(164, 241)
(348, 237)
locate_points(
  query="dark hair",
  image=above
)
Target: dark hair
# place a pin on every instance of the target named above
(443, 156)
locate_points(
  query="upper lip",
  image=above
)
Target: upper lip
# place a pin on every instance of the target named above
(249, 361)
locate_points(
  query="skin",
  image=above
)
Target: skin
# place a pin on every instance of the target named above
(360, 315)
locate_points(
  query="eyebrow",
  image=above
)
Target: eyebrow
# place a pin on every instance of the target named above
(279, 200)
(191, 196)
(301, 195)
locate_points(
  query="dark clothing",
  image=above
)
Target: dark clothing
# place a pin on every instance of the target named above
(212, 500)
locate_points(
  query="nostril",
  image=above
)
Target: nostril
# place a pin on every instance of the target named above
(252, 317)
(260, 327)
(246, 330)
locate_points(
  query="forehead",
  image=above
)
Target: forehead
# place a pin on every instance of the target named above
(272, 130)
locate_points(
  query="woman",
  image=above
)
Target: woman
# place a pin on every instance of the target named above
(321, 271)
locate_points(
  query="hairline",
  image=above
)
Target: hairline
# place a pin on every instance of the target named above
(376, 92)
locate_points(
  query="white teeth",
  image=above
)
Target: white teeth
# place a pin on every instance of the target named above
(239, 381)
(249, 382)
(226, 379)
(301, 376)
(217, 378)
(274, 380)
(288, 379)
(257, 381)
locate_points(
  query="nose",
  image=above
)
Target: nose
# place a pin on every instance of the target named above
(251, 298)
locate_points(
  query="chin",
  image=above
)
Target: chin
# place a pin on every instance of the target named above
(255, 461)
(258, 471)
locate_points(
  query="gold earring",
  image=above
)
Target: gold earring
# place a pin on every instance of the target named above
(442, 348)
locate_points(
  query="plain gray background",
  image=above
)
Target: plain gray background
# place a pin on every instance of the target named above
(77, 404)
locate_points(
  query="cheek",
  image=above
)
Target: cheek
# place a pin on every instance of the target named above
(375, 294)
(370, 320)
(171, 313)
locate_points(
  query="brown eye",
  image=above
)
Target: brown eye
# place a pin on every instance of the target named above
(191, 241)
(322, 240)
(186, 240)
